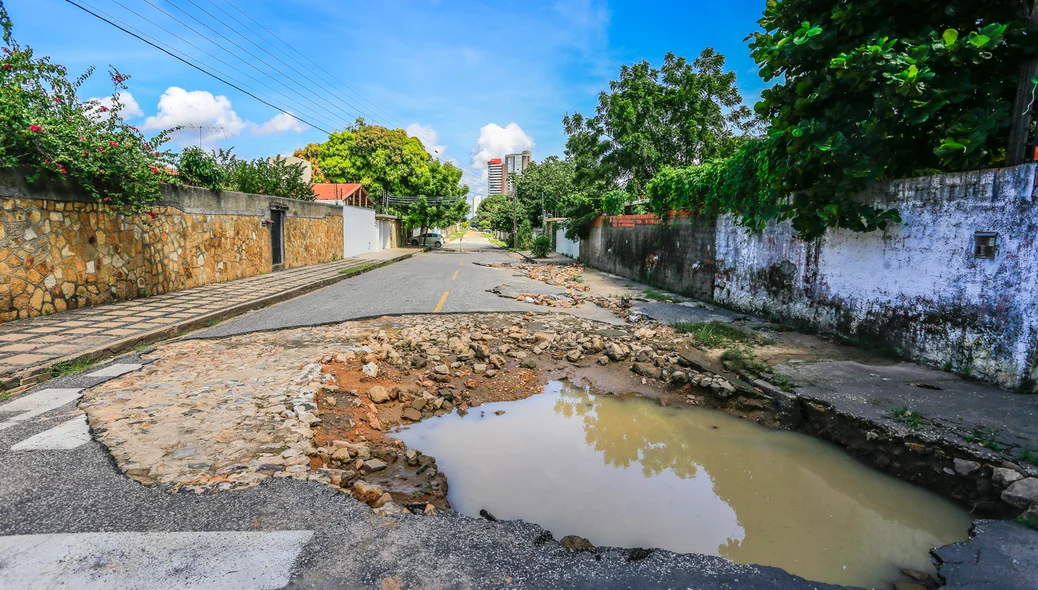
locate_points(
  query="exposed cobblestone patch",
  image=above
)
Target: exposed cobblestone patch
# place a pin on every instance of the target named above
(320, 403)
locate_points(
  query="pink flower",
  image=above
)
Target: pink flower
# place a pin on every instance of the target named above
(46, 161)
(154, 170)
(107, 200)
(63, 171)
(104, 109)
(35, 128)
(8, 66)
(113, 143)
(56, 99)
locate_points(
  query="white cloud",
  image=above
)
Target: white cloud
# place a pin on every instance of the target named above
(428, 137)
(197, 107)
(496, 142)
(130, 106)
(279, 124)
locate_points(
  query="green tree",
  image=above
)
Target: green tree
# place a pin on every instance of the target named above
(681, 114)
(879, 89)
(225, 171)
(384, 160)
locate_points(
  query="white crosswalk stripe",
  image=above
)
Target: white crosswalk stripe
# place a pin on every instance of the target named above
(41, 402)
(65, 436)
(115, 369)
(153, 560)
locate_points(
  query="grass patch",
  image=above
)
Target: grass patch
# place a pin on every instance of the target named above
(656, 295)
(5, 396)
(742, 359)
(782, 381)
(984, 440)
(577, 279)
(497, 242)
(717, 334)
(905, 416)
(1028, 521)
(1028, 456)
(457, 234)
(66, 368)
(356, 269)
(628, 285)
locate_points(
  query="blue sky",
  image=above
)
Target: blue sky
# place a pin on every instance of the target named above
(471, 78)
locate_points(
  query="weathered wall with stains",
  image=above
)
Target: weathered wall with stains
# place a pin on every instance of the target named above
(60, 250)
(674, 254)
(917, 286)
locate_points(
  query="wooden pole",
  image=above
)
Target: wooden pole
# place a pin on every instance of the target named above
(1023, 107)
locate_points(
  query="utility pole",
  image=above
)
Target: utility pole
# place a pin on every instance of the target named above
(1023, 106)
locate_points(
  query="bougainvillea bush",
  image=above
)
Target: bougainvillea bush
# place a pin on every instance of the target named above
(48, 133)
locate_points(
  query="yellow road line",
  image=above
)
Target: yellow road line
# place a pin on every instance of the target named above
(462, 263)
(439, 305)
(455, 275)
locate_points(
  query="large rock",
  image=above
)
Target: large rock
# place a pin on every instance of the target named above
(497, 361)
(411, 414)
(374, 465)
(378, 394)
(615, 352)
(964, 467)
(441, 370)
(1022, 493)
(366, 492)
(370, 369)
(646, 370)
(1005, 477)
(575, 543)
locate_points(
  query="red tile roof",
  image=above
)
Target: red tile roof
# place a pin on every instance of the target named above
(337, 192)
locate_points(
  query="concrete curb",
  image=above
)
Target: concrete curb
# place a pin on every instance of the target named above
(18, 382)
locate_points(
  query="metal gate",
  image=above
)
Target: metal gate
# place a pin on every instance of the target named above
(277, 238)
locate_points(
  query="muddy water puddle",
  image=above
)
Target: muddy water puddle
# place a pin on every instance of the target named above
(623, 471)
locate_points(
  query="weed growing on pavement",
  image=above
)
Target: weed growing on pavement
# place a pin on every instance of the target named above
(356, 269)
(986, 440)
(905, 416)
(66, 368)
(5, 396)
(577, 279)
(713, 334)
(1028, 456)
(656, 295)
(782, 381)
(717, 334)
(742, 358)
(1028, 521)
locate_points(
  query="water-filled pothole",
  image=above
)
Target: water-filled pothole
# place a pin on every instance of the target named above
(624, 471)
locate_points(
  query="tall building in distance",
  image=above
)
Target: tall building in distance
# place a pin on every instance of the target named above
(495, 177)
(516, 164)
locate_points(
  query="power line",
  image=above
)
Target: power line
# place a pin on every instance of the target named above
(239, 58)
(301, 72)
(200, 69)
(315, 64)
(146, 19)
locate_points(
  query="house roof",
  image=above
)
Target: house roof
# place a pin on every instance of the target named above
(338, 192)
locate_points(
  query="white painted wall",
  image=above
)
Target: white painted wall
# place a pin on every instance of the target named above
(359, 233)
(916, 285)
(563, 246)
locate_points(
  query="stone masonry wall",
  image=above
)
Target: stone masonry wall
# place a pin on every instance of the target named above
(59, 250)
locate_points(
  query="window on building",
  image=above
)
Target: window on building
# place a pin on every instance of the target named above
(985, 245)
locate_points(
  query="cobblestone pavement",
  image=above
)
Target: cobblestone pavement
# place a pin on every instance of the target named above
(29, 347)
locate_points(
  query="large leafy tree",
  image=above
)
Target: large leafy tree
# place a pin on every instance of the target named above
(877, 89)
(683, 113)
(383, 160)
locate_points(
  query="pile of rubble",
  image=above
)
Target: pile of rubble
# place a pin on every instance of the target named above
(320, 403)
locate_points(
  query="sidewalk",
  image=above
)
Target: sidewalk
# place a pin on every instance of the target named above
(29, 349)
